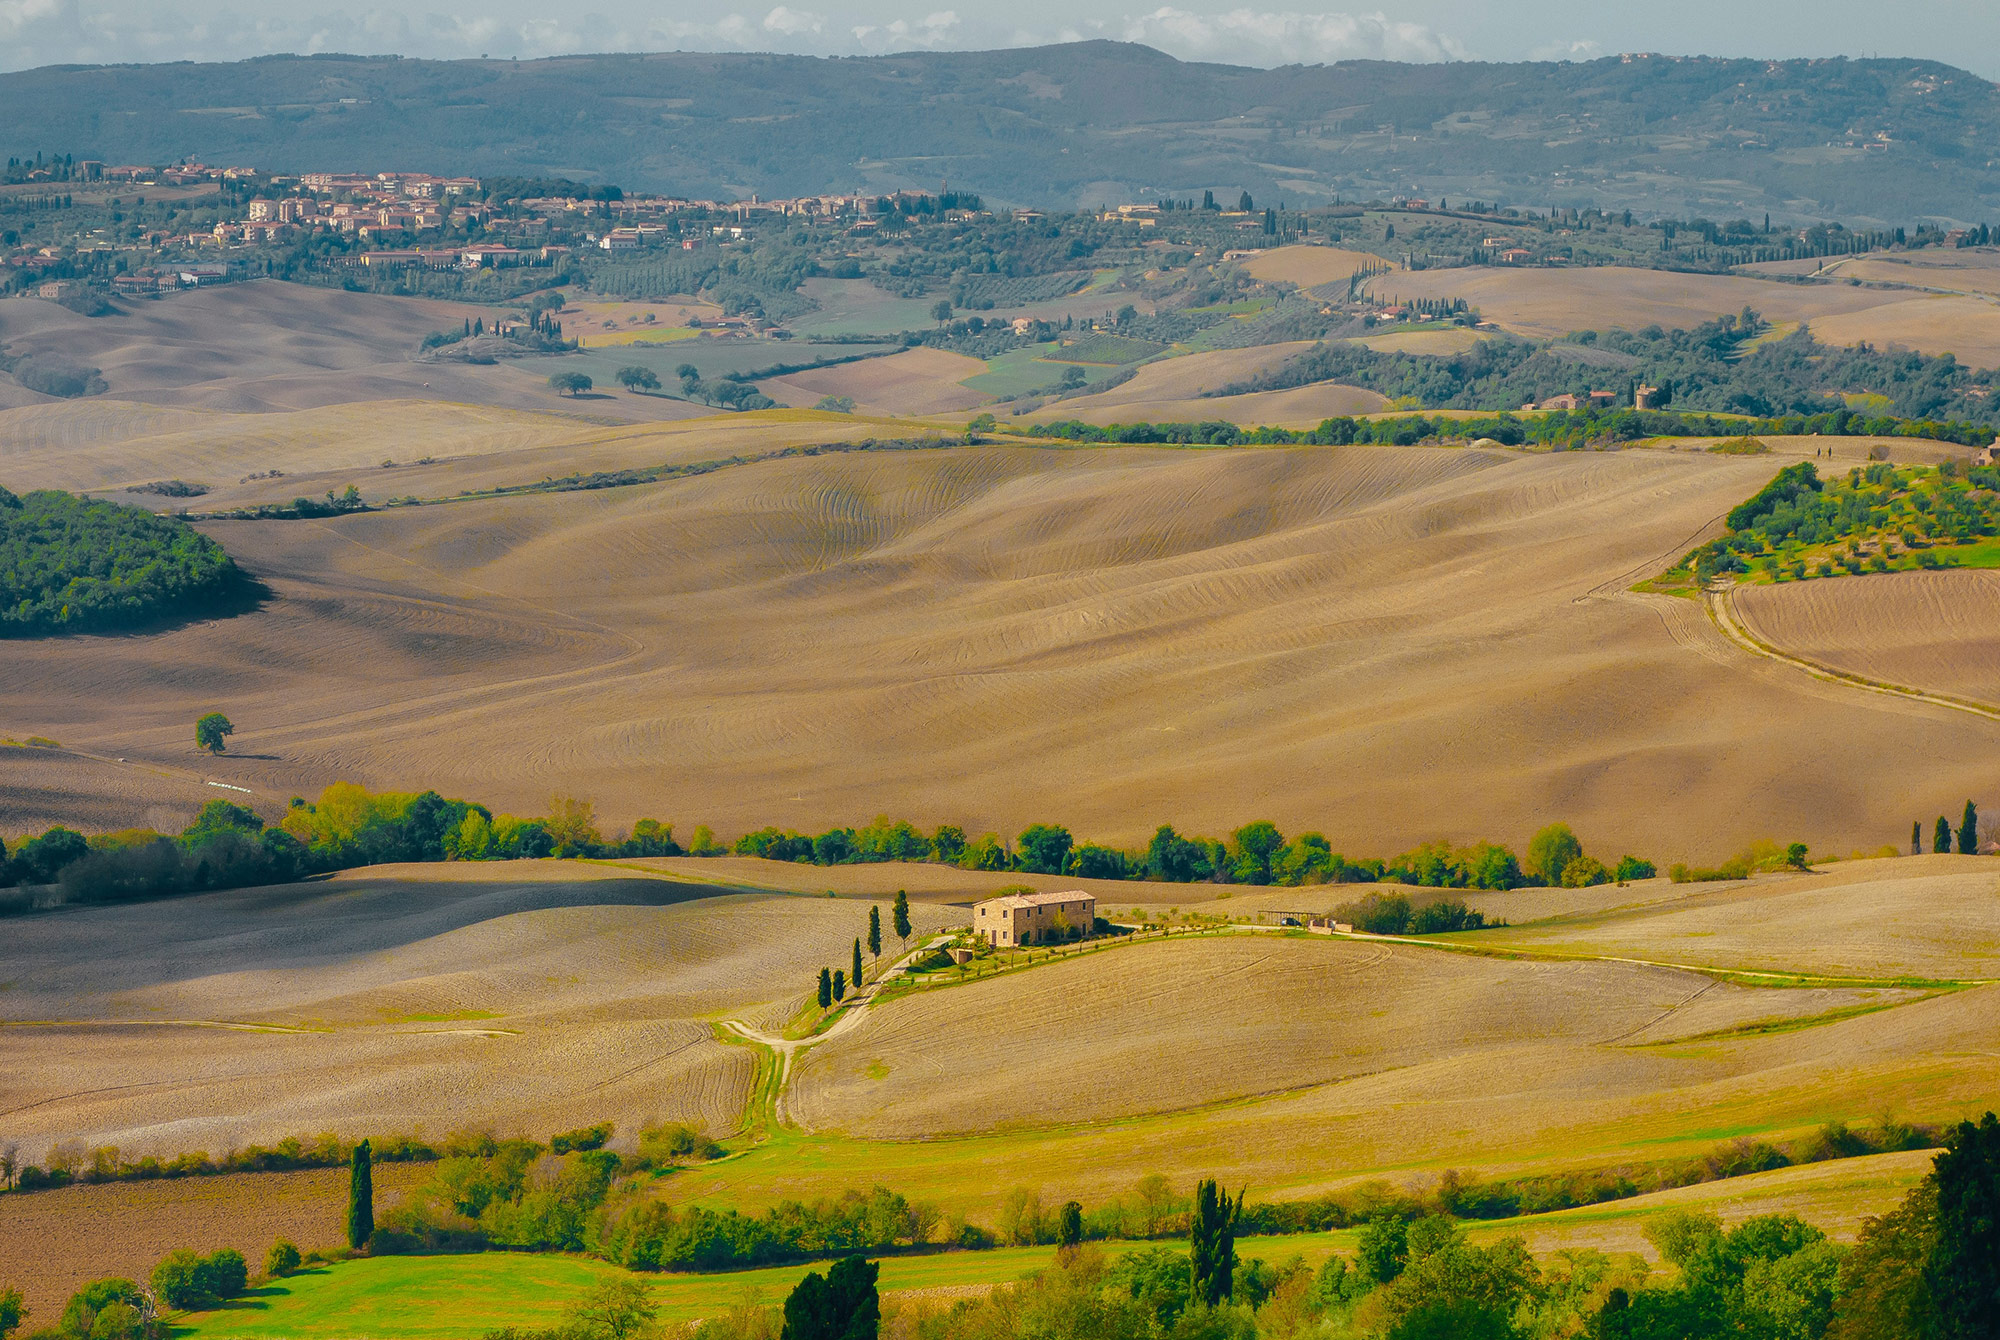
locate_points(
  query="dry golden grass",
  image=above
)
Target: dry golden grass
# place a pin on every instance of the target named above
(1549, 303)
(916, 381)
(995, 636)
(54, 1242)
(1921, 916)
(529, 997)
(1255, 1015)
(1299, 407)
(1929, 630)
(1308, 267)
(1449, 340)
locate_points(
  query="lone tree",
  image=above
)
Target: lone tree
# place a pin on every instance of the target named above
(211, 731)
(1795, 856)
(638, 379)
(841, 1305)
(569, 383)
(1069, 1226)
(855, 977)
(875, 930)
(1941, 835)
(1968, 831)
(826, 988)
(1962, 1273)
(900, 917)
(1916, 837)
(1212, 1244)
(361, 1196)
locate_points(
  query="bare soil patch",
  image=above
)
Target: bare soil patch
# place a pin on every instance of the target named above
(1301, 1014)
(54, 1242)
(1927, 630)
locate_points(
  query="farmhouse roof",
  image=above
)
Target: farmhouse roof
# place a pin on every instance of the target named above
(1041, 899)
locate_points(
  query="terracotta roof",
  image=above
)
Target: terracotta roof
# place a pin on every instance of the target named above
(1041, 899)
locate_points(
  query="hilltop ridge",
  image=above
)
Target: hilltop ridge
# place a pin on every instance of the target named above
(1079, 123)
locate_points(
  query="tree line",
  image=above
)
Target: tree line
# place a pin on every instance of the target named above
(70, 564)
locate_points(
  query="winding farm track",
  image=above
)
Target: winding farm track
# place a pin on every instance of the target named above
(1722, 613)
(787, 1050)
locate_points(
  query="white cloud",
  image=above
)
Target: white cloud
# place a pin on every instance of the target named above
(1266, 37)
(1579, 50)
(792, 22)
(43, 32)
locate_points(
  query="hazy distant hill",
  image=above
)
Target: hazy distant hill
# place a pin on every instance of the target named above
(1077, 124)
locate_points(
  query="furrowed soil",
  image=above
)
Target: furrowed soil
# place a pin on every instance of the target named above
(993, 636)
(1928, 630)
(530, 997)
(1305, 1013)
(54, 1242)
(1544, 304)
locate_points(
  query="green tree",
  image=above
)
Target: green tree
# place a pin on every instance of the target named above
(1212, 1244)
(839, 984)
(826, 988)
(211, 731)
(1252, 847)
(282, 1259)
(1044, 849)
(1941, 835)
(360, 1196)
(1550, 852)
(637, 379)
(855, 976)
(900, 917)
(1796, 856)
(875, 929)
(1916, 837)
(1384, 1246)
(1968, 831)
(941, 313)
(1962, 1273)
(13, 1307)
(1069, 1225)
(614, 1310)
(569, 383)
(841, 1305)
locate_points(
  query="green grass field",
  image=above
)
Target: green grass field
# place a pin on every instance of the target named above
(450, 1297)
(1107, 350)
(1021, 371)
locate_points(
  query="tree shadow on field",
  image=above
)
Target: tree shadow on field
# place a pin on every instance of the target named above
(240, 593)
(324, 921)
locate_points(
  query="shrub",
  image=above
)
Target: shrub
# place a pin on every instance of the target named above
(282, 1259)
(590, 1137)
(1631, 867)
(186, 1280)
(1583, 872)
(1377, 913)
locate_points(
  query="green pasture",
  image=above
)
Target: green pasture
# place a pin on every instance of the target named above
(1021, 371)
(450, 1297)
(858, 307)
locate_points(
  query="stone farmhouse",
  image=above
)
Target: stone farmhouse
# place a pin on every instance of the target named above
(1034, 918)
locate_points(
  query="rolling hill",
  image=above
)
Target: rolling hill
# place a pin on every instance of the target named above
(1078, 124)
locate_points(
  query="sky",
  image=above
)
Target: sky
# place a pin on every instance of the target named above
(52, 32)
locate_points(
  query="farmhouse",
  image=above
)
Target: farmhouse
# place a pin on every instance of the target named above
(1034, 918)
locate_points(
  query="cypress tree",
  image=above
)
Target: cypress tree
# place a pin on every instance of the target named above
(360, 1196)
(839, 984)
(856, 977)
(825, 989)
(1968, 832)
(1916, 837)
(1212, 1244)
(901, 915)
(1941, 835)
(874, 929)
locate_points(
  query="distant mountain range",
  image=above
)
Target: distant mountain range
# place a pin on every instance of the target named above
(1870, 141)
